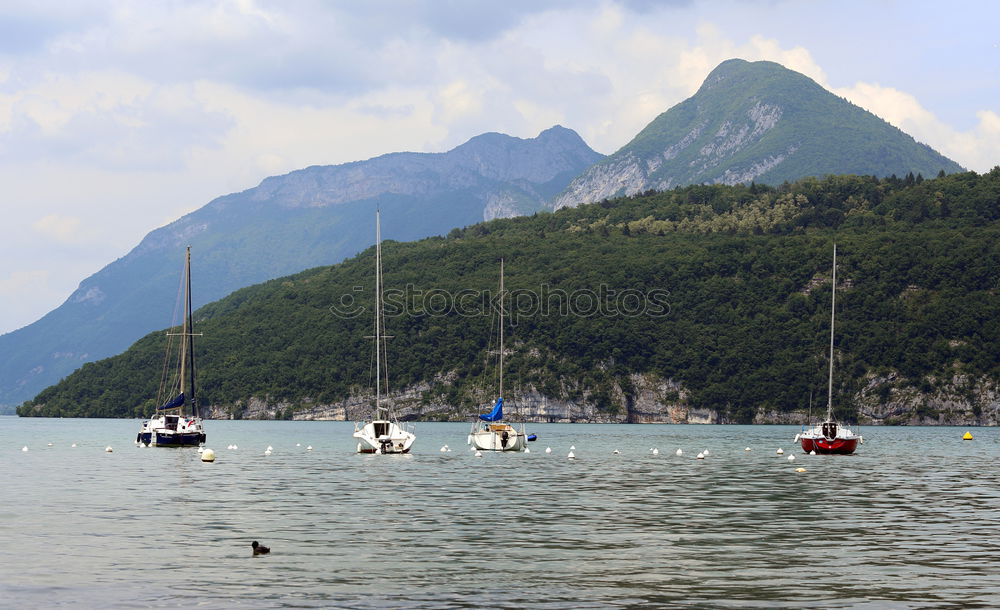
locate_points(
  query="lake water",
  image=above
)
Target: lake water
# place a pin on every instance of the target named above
(912, 520)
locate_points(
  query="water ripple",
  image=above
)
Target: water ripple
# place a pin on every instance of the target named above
(911, 521)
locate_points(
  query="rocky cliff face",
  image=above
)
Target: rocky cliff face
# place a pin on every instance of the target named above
(486, 167)
(958, 401)
(961, 402)
(655, 401)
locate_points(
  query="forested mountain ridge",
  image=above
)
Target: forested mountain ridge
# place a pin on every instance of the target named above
(288, 223)
(749, 122)
(755, 121)
(706, 303)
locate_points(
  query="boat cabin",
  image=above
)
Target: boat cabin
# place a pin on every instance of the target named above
(170, 422)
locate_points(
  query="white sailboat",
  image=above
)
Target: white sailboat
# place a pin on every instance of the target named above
(177, 423)
(382, 433)
(489, 431)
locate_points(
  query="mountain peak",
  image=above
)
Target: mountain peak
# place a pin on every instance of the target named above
(560, 132)
(557, 134)
(739, 77)
(754, 121)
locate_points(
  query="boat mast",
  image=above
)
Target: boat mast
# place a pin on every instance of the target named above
(833, 312)
(501, 328)
(190, 336)
(184, 324)
(378, 309)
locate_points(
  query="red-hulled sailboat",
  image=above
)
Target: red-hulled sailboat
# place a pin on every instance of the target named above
(830, 436)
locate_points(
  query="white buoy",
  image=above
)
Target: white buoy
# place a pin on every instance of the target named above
(616, 452)
(270, 448)
(25, 448)
(50, 444)
(235, 447)
(813, 452)
(479, 454)
(679, 452)
(526, 450)
(74, 445)
(800, 470)
(108, 449)
(572, 447)
(309, 448)
(444, 449)
(700, 456)
(748, 449)
(298, 444)
(656, 452)
(791, 458)
(267, 452)
(208, 455)
(571, 456)
(547, 449)
(705, 452)
(780, 452)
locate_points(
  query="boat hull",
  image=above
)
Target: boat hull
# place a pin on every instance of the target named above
(171, 430)
(838, 446)
(498, 438)
(382, 437)
(158, 439)
(369, 450)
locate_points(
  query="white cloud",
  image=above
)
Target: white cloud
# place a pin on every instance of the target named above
(457, 100)
(977, 149)
(19, 282)
(113, 116)
(105, 120)
(65, 229)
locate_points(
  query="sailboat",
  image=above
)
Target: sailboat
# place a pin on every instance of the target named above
(177, 422)
(830, 436)
(382, 433)
(489, 431)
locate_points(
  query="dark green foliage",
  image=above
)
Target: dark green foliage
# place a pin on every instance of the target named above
(744, 324)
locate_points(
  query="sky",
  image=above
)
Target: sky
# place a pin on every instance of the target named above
(118, 117)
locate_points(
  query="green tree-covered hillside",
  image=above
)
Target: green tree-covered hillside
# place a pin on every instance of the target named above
(722, 289)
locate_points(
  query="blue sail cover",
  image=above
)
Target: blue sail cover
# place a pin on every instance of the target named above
(496, 414)
(175, 402)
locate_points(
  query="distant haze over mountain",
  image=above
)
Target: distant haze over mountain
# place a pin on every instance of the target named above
(314, 216)
(755, 122)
